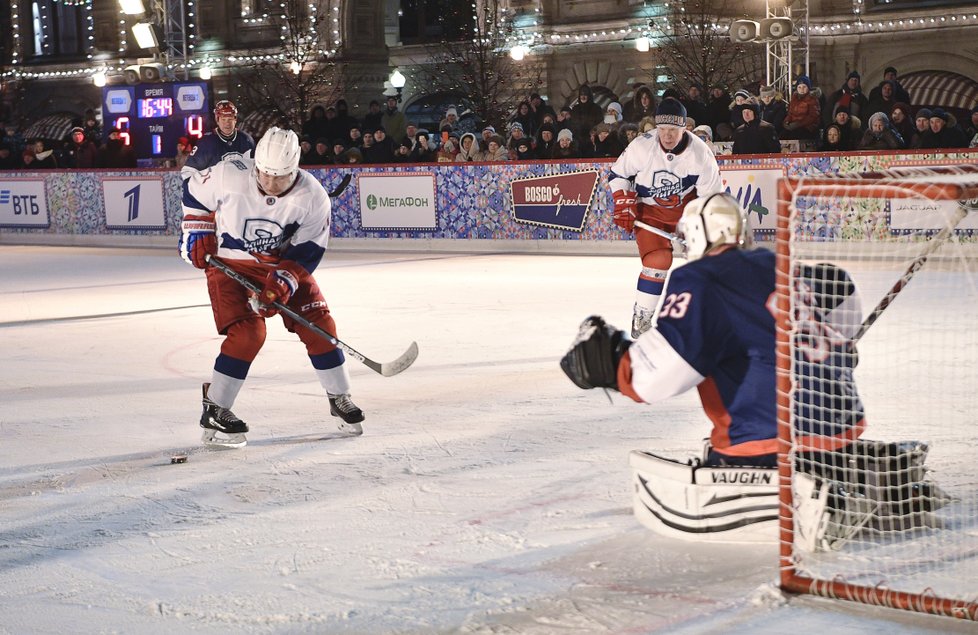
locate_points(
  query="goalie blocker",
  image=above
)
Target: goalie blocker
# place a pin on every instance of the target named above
(872, 486)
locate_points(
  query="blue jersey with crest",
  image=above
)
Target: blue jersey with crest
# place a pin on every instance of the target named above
(716, 330)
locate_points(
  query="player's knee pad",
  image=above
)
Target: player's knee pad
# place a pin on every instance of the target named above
(244, 339)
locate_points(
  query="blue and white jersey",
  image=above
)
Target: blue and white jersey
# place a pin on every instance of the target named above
(667, 180)
(213, 148)
(255, 226)
(716, 332)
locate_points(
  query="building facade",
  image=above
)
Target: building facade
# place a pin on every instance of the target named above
(54, 51)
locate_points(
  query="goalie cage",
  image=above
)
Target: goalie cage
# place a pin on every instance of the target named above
(901, 237)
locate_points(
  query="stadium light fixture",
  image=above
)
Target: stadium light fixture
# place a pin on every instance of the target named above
(205, 73)
(132, 7)
(643, 44)
(146, 35)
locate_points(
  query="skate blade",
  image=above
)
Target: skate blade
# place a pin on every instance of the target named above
(354, 429)
(236, 440)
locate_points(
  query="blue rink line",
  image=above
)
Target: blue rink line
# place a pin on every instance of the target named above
(98, 316)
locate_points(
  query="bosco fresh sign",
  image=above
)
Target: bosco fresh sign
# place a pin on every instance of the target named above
(560, 201)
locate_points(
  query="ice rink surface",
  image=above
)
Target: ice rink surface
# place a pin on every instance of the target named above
(486, 495)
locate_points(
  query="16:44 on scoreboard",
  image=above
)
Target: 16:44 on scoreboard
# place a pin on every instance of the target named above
(151, 117)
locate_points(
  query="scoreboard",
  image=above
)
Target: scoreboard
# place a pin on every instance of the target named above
(152, 117)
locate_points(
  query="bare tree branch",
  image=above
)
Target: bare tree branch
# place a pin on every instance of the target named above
(300, 72)
(478, 64)
(692, 41)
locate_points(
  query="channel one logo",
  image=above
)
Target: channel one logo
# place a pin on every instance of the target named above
(559, 201)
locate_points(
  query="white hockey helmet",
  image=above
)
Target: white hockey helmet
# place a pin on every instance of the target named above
(712, 221)
(277, 152)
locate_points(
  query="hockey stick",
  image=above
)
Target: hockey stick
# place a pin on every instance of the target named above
(660, 232)
(387, 369)
(339, 189)
(938, 240)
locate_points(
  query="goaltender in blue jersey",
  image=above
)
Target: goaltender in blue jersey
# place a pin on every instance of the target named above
(716, 333)
(225, 142)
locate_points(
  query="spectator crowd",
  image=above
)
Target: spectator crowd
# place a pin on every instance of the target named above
(82, 148)
(754, 120)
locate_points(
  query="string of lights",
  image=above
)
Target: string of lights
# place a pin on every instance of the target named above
(524, 34)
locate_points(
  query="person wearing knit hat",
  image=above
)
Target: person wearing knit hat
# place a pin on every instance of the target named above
(944, 131)
(565, 147)
(739, 99)
(804, 115)
(850, 95)
(612, 114)
(670, 112)
(653, 179)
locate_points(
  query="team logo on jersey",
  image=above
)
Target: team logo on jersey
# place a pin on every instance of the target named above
(560, 201)
(262, 235)
(667, 189)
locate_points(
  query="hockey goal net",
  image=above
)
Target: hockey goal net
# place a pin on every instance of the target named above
(877, 320)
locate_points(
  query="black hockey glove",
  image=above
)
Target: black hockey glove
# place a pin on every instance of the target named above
(592, 361)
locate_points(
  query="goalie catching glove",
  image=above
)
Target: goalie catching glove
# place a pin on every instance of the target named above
(198, 239)
(626, 208)
(592, 361)
(279, 286)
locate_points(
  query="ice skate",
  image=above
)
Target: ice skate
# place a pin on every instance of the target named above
(641, 320)
(221, 426)
(350, 415)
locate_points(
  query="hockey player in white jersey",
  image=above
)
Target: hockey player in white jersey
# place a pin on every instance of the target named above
(653, 180)
(270, 223)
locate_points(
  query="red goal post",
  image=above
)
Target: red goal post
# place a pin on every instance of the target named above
(878, 536)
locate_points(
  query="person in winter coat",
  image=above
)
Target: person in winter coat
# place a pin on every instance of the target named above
(901, 118)
(546, 141)
(585, 114)
(115, 153)
(81, 153)
(469, 149)
(627, 133)
(944, 132)
(884, 100)
(773, 107)
(832, 139)
(851, 127)
(755, 136)
(740, 98)
(718, 113)
(424, 150)
(606, 143)
(899, 92)
(566, 148)
(524, 116)
(803, 118)
(641, 105)
(851, 96)
(880, 135)
(496, 150)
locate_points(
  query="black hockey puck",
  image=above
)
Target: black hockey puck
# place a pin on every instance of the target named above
(178, 458)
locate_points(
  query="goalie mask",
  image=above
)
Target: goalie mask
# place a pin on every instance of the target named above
(277, 155)
(713, 221)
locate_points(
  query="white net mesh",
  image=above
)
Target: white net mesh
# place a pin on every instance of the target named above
(896, 512)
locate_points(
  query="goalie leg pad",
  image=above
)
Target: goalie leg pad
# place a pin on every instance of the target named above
(878, 486)
(694, 502)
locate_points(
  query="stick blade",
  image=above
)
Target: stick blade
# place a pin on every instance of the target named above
(402, 363)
